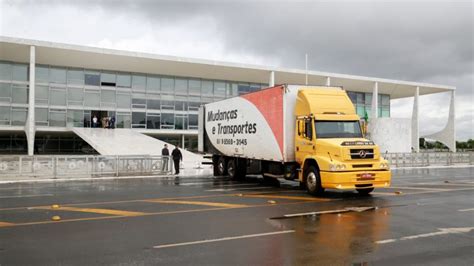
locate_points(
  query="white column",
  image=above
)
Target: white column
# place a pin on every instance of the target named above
(447, 136)
(328, 81)
(452, 122)
(375, 101)
(182, 141)
(415, 125)
(271, 81)
(30, 126)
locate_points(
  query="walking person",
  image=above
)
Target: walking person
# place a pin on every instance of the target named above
(165, 153)
(177, 157)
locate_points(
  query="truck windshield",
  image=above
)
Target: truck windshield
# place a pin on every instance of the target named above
(338, 129)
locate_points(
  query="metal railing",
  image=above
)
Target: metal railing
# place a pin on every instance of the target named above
(429, 158)
(73, 166)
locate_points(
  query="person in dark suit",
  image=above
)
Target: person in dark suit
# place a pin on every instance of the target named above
(177, 157)
(165, 152)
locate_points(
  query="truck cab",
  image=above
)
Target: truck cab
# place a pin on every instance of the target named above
(330, 148)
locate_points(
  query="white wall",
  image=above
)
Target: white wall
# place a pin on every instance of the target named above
(391, 134)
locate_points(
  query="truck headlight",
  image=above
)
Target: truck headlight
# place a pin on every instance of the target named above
(337, 167)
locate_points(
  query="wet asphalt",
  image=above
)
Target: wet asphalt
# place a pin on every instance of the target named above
(425, 218)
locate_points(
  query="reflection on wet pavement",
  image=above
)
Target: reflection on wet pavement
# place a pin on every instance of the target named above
(330, 239)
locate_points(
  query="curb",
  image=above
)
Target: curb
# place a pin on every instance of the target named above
(89, 179)
(432, 167)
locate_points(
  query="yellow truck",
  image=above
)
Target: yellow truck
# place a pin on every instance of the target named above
(302, 133)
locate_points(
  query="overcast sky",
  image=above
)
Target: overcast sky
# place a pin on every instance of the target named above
(422, 41)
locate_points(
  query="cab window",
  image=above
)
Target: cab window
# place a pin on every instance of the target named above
(308, 129)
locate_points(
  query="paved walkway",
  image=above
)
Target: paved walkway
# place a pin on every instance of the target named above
(121, 141)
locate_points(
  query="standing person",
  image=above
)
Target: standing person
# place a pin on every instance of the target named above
(94, 121)
(112, 122)
(177, 157)
(165, 152)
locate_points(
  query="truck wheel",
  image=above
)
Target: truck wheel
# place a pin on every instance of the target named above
(221, 168)
(232, 168)
(365, 191)
(313, 181)
(236, 168)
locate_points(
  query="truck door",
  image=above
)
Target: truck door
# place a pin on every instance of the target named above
(304, 138)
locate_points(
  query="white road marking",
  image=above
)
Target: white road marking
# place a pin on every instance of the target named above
(196, 183)
(348, 209)
(313, 213)
(386, 241)
(217, 185)
(451, 183)
(421, 188)
(442, 231)
(27, 196)
(223, 239)
(234, 189)
(466, 210)
(235, 185)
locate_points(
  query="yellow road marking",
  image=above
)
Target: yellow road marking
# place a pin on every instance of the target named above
(115, 217)
(150, 214)
(100, 211)
(282, 197)
(115, 202)
(2, 224)
(203, 203)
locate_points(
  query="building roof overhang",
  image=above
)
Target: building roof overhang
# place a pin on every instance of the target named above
(59, 54)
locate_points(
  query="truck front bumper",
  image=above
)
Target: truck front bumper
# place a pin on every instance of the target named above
(354, 180)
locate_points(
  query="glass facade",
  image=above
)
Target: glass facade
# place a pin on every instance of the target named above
(70, 97)
(66, 96)
(13, 94)
(363, 104)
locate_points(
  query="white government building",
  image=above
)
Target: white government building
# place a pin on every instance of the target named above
(49, 92)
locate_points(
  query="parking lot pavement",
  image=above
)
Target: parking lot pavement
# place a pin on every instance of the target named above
(426, 217)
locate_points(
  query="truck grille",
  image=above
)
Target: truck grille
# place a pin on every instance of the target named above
(362, 153)
(361, 166)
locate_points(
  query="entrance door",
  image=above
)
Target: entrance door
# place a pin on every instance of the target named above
(99, 115)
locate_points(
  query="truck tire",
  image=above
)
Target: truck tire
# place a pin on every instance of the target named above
(221, 166)
(236, 168)
(232, 168)
(313, 181)
(365, 191)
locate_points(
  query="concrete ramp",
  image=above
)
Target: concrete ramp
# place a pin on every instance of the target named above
(121, 141)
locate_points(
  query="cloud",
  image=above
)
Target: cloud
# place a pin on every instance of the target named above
(421, 41)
